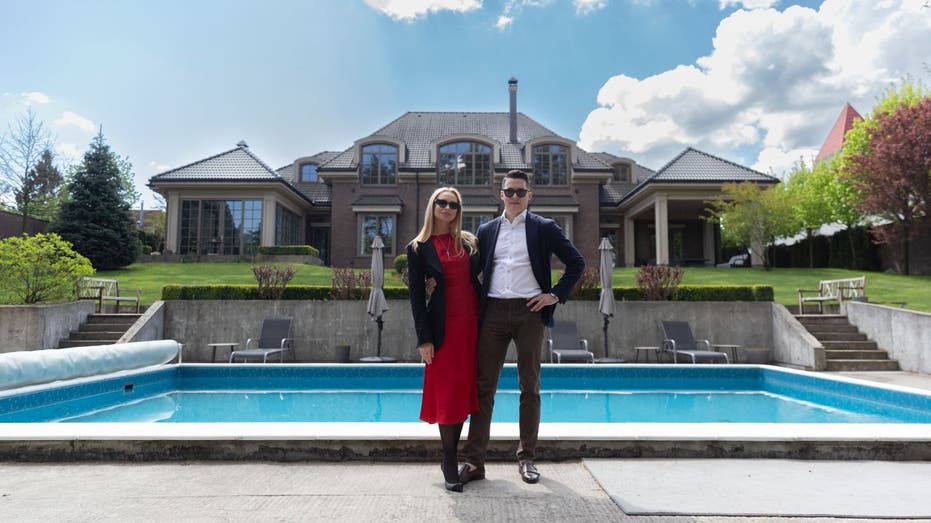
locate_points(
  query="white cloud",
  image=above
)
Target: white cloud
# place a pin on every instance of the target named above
(156, 167)
(503, 22)
(774, 82)
(748, 4)
(35, 97)
(584, 7)
(68, 152)
(409, 10)
(70, 118)
(513, 7)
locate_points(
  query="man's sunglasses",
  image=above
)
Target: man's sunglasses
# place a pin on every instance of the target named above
(511, 192)
(442, 204)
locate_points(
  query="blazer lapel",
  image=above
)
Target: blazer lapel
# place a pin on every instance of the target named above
(532, 229)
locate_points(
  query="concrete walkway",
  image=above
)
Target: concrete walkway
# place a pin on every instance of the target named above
(211, 491)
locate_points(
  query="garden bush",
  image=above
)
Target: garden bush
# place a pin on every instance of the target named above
(40, 268)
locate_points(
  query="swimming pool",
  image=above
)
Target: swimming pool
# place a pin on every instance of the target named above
(345, 411)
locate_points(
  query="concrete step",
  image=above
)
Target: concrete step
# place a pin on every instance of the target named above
(832, 329)
(96, 335)
(861, 365)
(115, 319)
(822, 319)
(64, 344)
(839, 336)
(849, 345)
(856, 354)
(104, 327)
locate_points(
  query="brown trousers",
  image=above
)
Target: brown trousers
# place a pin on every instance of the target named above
(507, 320)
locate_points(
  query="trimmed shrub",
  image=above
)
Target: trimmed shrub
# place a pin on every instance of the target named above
(400, 263)
(283, 250)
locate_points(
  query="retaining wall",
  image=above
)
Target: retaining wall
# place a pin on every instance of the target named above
(905, 334)
(34, 327)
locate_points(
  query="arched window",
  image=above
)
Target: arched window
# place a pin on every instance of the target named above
(379, 164)
(464, 163)
(550, 165)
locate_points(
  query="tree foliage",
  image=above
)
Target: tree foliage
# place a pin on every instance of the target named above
(39, 196)
(40, 268)
(22, 148)
(95, 218)
(752, 217)
(894, 174)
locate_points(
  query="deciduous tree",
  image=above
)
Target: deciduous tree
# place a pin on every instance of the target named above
(40, 268)
(22, 147)
(752, 217)
(894, 174)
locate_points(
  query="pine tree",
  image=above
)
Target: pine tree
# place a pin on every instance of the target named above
(95, 218)
(38, 196)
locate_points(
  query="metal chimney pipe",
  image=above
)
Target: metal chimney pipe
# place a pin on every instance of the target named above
(512, 89)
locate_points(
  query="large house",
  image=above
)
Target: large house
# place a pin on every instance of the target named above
(338, 201)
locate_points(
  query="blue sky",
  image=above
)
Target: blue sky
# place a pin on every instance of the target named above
(757, 81)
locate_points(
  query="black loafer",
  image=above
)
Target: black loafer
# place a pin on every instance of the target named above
(467, 474)
(528, 471)
(455, 486)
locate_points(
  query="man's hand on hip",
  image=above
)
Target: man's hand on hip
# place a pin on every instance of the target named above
(541, 300)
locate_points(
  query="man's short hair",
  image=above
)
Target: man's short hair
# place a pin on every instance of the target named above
(516, 174)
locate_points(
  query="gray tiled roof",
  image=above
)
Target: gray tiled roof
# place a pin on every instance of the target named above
(694, 166)
(317, 192)
(475, 200)
(233, 165)
(553, 200)
(419, 130)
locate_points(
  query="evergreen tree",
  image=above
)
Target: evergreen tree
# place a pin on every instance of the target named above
(38, 196)
(95, 218)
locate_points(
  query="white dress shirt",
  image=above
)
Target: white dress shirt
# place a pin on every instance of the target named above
(513, 276)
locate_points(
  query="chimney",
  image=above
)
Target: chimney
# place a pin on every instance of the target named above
(242, 144)
(512, 89)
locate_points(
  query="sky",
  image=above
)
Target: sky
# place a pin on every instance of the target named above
(758, 82)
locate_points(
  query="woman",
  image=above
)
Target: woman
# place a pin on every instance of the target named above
(447, 321)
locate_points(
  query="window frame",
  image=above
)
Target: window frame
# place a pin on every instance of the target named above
(381, 178)
(566, 152)
(364, 243)
(469, 160)
(300, 174)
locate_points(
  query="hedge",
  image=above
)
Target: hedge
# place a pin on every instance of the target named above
(319, 292)
(281, 250)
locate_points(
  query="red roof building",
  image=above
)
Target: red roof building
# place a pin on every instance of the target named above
(835, 139)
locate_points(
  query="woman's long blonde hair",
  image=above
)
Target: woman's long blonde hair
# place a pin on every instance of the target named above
(455, 228)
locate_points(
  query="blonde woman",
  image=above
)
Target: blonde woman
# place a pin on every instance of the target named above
(447, 322)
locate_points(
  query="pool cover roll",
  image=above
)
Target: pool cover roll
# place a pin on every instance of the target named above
(42, 366)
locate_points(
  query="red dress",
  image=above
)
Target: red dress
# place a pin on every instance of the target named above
(449, 389)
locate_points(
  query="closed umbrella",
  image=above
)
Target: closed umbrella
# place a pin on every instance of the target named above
(377, 302)
(606, 303)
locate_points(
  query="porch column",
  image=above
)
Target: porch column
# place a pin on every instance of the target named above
(708, 244)
(661, 220)
(172, 229)
(268, 221)
(628, 242)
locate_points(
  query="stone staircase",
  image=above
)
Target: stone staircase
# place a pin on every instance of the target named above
(845, 347)
(100, 329)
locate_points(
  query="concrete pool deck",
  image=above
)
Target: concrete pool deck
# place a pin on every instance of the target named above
(360, 491)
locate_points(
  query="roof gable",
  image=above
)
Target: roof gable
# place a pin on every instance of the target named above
(236, 164)
(835, 140)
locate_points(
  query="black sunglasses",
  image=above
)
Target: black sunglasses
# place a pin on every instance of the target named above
(511, 192)
(442, 204)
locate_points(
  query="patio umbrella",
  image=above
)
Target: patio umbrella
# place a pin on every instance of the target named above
(377, 302)
(606, 303)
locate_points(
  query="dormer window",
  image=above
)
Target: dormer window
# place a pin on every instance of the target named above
(622, 172)
(379, 164)
(550, 165)
(308, 173)
(464, 163)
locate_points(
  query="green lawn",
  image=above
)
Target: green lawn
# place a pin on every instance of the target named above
(880, 287)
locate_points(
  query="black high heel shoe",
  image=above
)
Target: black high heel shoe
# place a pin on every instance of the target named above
(455, 486)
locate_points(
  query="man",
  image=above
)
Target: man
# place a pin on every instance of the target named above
(516, 303)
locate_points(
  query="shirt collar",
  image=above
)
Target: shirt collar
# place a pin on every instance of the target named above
(520, 218)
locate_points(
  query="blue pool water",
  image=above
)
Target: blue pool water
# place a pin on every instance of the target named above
(360, 393)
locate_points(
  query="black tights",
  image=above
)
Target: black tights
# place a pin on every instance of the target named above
(449, 436)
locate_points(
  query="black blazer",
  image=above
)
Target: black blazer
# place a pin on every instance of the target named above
(544, 239)
(430, 317)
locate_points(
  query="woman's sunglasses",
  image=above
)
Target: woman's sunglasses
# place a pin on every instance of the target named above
(442, 204)
(511, 192)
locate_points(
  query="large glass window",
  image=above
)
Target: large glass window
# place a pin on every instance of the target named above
(622, 172)
(308, 173)
(379, 165)
(220, 226)
(376, 225)
(464, 163)
(287, 227)
(563, 220)
(550, 165)
(471, 222)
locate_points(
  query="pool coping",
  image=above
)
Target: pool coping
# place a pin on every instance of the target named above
(417, 440)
